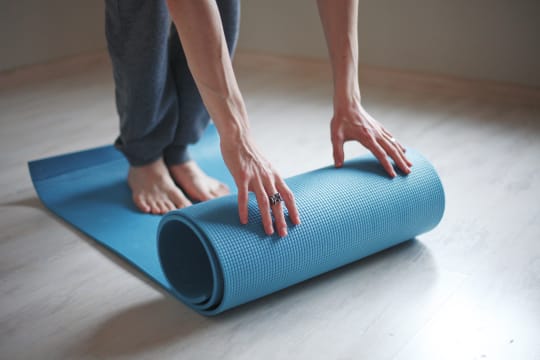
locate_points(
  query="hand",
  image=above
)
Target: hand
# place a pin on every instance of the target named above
(252, 172)
(352, 122)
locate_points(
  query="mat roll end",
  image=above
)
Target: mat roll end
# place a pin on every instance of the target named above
(189, 263)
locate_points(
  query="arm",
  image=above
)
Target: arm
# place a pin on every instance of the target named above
(200, 30)
(351, 121)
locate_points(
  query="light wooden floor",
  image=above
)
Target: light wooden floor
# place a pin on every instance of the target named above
(470, 289)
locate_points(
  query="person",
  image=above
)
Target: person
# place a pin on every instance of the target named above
(170, 79)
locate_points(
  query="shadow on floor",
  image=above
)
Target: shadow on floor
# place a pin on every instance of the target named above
(167, 322)
(141, 328)
(32, 202)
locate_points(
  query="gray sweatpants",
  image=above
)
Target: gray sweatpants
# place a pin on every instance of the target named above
(159, 106)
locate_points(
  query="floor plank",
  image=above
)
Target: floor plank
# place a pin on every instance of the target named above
(470, 289)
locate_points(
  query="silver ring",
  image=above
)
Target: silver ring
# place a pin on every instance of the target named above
(393, 140)
(274, 199)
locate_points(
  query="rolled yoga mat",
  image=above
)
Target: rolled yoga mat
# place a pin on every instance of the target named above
(205, 258)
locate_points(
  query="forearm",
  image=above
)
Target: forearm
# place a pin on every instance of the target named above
(200, 29)
(340, 19)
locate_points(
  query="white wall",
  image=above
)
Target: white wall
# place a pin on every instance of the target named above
(36, 31)
(483, 39)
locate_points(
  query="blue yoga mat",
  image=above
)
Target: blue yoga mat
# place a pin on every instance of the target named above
(202, 254)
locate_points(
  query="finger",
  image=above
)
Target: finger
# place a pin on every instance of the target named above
(264, 206)
(397, 144)
(243, 203)
(394, 152)
(380, 154)
(386, 132)
(401, 149)
(390, 137)
(277, 208)
(339, 156)
(289, 200)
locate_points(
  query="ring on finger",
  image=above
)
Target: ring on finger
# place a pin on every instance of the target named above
(275, 199)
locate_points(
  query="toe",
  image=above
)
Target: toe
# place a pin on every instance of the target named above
(162, 207)
(193, 181)
(141, 203)
(178, 199)
(204, 195)
(196, 191)
(155, 208)
(222, 190)
(169, 206)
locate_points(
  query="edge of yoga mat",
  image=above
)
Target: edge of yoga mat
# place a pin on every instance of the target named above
(60, 180)
(49, 168)
(60, 170)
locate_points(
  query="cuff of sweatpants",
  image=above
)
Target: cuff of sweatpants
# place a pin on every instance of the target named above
(138, 155)
(176, 154)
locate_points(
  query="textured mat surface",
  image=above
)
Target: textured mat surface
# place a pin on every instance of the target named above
(204, 257)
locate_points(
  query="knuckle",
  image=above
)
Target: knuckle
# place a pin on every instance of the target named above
(336, 137)
(393, 151)
(364, 130)
(263, 174)
(288, 194)
(370, 141)
(264, 202)
(379, 152)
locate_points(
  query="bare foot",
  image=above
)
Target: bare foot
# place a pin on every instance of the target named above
(196, 183)
(154, 190)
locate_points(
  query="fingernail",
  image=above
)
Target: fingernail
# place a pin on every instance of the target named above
(283, 232)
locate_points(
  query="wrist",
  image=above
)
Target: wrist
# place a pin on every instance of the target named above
(230, 117)
(346, 99)
(346, 88)
(234, 132)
